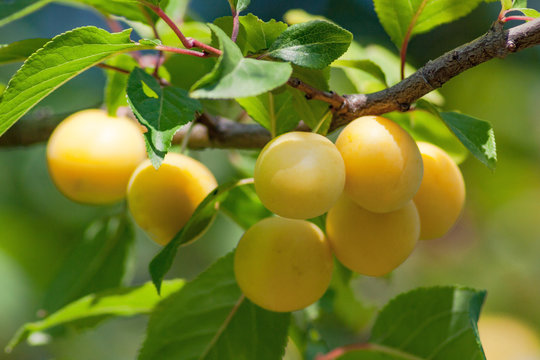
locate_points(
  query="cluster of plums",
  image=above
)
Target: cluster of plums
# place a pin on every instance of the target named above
(381, 191)
(94, 158)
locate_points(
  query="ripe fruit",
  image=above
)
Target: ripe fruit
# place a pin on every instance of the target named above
(371, 243)
(299, 175)
(383, 164)
(507, 338)
(162, 201)
(442, 193)
(283, 264)
(91, 156)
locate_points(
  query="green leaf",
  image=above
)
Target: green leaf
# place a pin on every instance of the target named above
(61, 59)
(506, 4)
(275, 112)
(196, 225)
(254, 35)
(365, 65)
(427, 323)
(235, 76)
(119, 302)
(13, 10)
(97, 263)
(128, 9)
(529, 12)
(162, 110)
(210, 319)
(314, 44)
(20, 50)
(244, 207)
(239, 5)
(115, 89)
(520, 3)
(477, 136)
(397, 16)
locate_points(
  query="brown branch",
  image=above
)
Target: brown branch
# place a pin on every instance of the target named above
(497, 43)
(335, 100)
(222, 133)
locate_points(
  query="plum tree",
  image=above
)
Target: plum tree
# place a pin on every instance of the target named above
(383, 164)
(234, 83)
(299, 175)
(91, 156)
(162, 201)
(442, 192)
(283, 264)
(371, 243)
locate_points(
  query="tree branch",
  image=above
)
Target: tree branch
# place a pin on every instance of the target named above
(497, 43)
(222, 133)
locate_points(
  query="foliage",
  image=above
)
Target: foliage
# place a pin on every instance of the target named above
(244, 67)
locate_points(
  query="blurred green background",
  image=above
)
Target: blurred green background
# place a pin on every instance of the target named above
(495, 245)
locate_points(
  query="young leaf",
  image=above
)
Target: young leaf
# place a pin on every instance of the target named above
(20, 50)
(196, 225)
(520, 3)
(426, 323)
(115, 90)
(398, 17)
(529, 12)
(98, 262)
(506, 4)
(244, 206)
(239, 5)
(119, 302)
(61, 59)
(162, 110)
(477, 136)
(226, 327)
(275, 112)
(254, 34)
(314, 44)
(235, 76)
(13, 10)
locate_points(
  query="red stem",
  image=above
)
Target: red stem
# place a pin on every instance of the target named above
(171, 24)
(236, 25)
(187, 42)
(113, 24)
(181, 51)
(115, 68)
(403, 52)
(334, 354)
(522, 18)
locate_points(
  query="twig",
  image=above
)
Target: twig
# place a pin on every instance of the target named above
(405, 45)
(335, 100)
(187, 42)
(236, 25)
(519, 18)
(113, 24)
(181, 51)
(114, 68)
